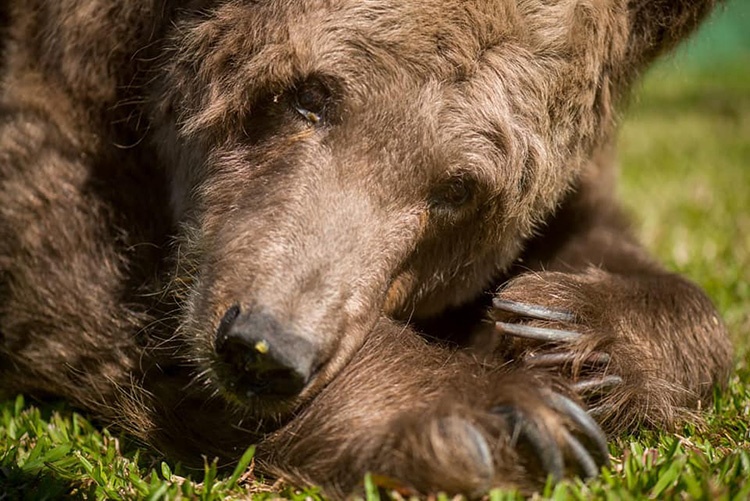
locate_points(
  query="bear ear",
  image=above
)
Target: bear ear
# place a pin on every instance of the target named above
(656, 26)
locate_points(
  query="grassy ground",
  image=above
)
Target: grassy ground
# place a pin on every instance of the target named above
(686, 176)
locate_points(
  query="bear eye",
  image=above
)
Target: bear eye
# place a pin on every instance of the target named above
(311, 99)
(456, 192)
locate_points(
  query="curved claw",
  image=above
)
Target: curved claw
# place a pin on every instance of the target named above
(536, 333)
(582, 456)
(465, 432)
(584, 422)
(543, 445)
(595, 358)
(601, 410)
(597, 384)
(533, 311)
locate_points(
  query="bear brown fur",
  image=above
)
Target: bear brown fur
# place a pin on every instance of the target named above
(367, 236)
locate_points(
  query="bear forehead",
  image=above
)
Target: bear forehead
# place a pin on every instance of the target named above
(441, 39)
(239, 50)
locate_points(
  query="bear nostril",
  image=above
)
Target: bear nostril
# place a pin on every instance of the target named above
(263, 359)
(226, 323)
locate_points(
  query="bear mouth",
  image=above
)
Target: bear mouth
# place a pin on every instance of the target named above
(274, 384)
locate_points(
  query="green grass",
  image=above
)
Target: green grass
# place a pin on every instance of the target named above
(685, 154)
(49, 452)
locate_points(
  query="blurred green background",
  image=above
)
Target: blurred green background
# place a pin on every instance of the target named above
(685, 155)
(725, 38)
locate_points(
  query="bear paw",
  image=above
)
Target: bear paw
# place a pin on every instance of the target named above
(529, 434)
(557, 348)
(631, 347)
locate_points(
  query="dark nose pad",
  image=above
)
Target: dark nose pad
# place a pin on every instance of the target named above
(265, 358)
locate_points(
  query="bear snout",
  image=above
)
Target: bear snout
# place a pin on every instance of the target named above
(263, 358)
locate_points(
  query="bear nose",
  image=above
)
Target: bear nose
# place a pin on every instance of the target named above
(264, 358)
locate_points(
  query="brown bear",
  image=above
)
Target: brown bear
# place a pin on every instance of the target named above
(367, 236)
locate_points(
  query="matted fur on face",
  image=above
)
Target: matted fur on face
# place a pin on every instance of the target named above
(440, 144)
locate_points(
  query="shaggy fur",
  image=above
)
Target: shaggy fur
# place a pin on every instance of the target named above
(171, 173)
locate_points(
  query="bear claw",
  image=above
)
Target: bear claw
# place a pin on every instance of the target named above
(542, 444)
(596, 385)
(595, 358)
(536, 333)
(584, 422)
(545, 446)
(587, 463)
(601, 410)
(533, 311)
(481, 452)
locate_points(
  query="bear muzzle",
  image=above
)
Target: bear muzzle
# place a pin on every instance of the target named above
(263, 358)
